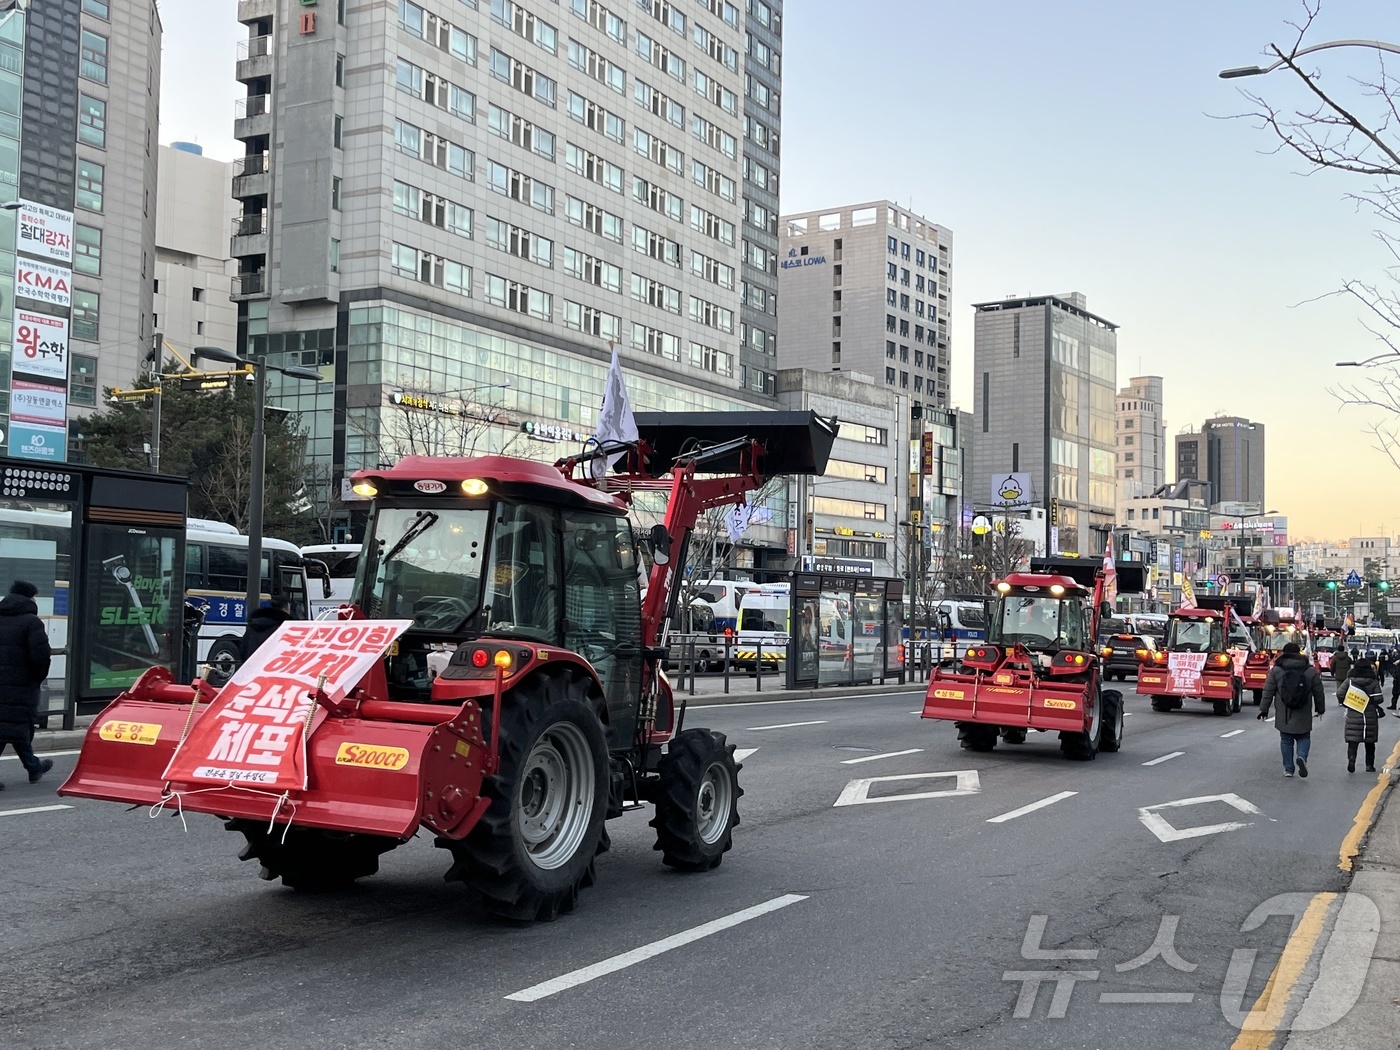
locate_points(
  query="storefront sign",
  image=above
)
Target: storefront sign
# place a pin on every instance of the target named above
(38, 403)
(45, 232)
(795, 261)
(252, 732)
(1010, 491)
(35, 442)
(844, 566)
(43, 281)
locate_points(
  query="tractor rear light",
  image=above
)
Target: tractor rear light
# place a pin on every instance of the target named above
(503, 659)
(474, 487)
(366, 488)
(983, 657)
(1159, 658)
(1220, 660)
(480, 658)
(1067, 661)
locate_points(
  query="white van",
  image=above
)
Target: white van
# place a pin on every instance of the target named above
(764, 617)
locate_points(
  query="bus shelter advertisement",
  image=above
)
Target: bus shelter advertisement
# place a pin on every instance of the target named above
(254, 730)
(128, 619)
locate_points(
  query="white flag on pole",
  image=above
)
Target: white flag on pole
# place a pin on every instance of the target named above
(615, 419)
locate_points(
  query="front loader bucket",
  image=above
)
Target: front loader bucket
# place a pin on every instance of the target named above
(794, 442)
(368, 775)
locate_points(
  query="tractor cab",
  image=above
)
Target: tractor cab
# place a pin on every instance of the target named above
(1325, 644)
(1042, 615)
(1196, 660)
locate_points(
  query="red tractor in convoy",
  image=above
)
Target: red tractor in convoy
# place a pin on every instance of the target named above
(1203, 656)
(1270, 631)
(524, 704)
(1325, 643)
(1038, 668)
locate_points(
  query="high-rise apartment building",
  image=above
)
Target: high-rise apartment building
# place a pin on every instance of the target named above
(1227, 452)
(194, 213)
(468, 201)
(1142, 441)
(1045, 376)
(865, 288)
(80, 83)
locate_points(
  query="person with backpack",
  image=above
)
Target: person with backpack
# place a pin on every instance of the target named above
(1363, 726)
(1297, 686)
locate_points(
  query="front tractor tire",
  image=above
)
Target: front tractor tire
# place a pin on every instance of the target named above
(1084, 747)
(311, 860)
(533, 850)
(1111, 737)
(697, 801)
(975, 737)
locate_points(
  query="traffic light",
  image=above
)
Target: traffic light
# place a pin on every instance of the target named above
(1383, 586)
(1331, 585)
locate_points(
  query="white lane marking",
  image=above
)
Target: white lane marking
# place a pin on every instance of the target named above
(41, 754)
(1032, 807)
(583, 975)
(788, 725)
(1164, 758)
(857, 792)
(741, 753)
(798, 700)
(873, 758)
(1164, 830)
(1233, 732)
(1127, 714)
(31, 809)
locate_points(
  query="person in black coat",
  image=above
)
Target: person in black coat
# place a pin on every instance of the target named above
(24, 664)
(1394, 676)
(261, 625)
(1362, 726)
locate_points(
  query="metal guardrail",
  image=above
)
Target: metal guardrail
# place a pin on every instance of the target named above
(760, 661)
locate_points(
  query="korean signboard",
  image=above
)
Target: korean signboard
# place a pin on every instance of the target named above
(38, 403)
(44, 281)
(253, 732)
(40, 346)
(45, 232)
(37, 442)
(1011, 491)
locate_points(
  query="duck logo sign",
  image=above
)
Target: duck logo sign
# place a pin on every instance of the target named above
(1011, 491)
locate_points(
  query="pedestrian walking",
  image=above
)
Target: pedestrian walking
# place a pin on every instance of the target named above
(1363, 726)
(261, 625)
(1394, 676)
(24, 664)
(1296, 685)
(1383, 667)
(1341, 669)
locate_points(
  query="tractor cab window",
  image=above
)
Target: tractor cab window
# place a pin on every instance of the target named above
(1274, 641)
(424, 565)
(1325, 643)
(603, 610)
(1039, 623)
(522, 579)
(1196, 636)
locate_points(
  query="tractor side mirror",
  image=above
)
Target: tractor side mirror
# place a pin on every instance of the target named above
(660, 545)
(1270, 616)
(1105, 610)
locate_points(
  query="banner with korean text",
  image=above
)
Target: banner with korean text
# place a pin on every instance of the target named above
(252, 734)
(41, 315)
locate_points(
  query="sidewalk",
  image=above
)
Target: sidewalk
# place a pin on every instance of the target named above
(1373, 1022)
(708, 690)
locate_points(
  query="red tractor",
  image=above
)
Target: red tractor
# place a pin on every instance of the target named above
(524, 705)
(1270, 631)
(1038, 667)
(1203, 656)
(1325, 643)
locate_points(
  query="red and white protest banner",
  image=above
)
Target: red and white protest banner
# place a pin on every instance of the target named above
(1185, 671)
(253, 732)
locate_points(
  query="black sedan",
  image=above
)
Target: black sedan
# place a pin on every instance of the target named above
(1119, 654)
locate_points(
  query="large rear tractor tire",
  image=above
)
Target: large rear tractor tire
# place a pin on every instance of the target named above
(534, 848)
(974, 737)
(697, 801)
(1014, 736)
(1163, 703)
(1111, 736)
(310, 859)
(1221, 707)
(1084, 747)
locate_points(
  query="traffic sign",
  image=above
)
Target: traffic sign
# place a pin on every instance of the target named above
(1223, 580)
(1353, 579)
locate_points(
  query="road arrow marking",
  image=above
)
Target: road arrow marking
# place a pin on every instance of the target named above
(1164, 830)
(741, 753)
(857, 792)
(1164, 758)
(872, 758)
(1032, 807)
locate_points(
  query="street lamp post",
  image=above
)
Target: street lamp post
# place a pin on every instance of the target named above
(1242, 518)
(259, 454)
(1255, 71)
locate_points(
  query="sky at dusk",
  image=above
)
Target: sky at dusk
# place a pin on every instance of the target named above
(1078, 146)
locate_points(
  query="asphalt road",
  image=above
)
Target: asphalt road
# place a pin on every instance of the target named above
(908, 917)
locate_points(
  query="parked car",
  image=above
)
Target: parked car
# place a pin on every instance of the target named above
(1119, 654)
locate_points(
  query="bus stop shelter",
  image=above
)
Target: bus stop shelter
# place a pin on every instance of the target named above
(846, 629)
(106, 549)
